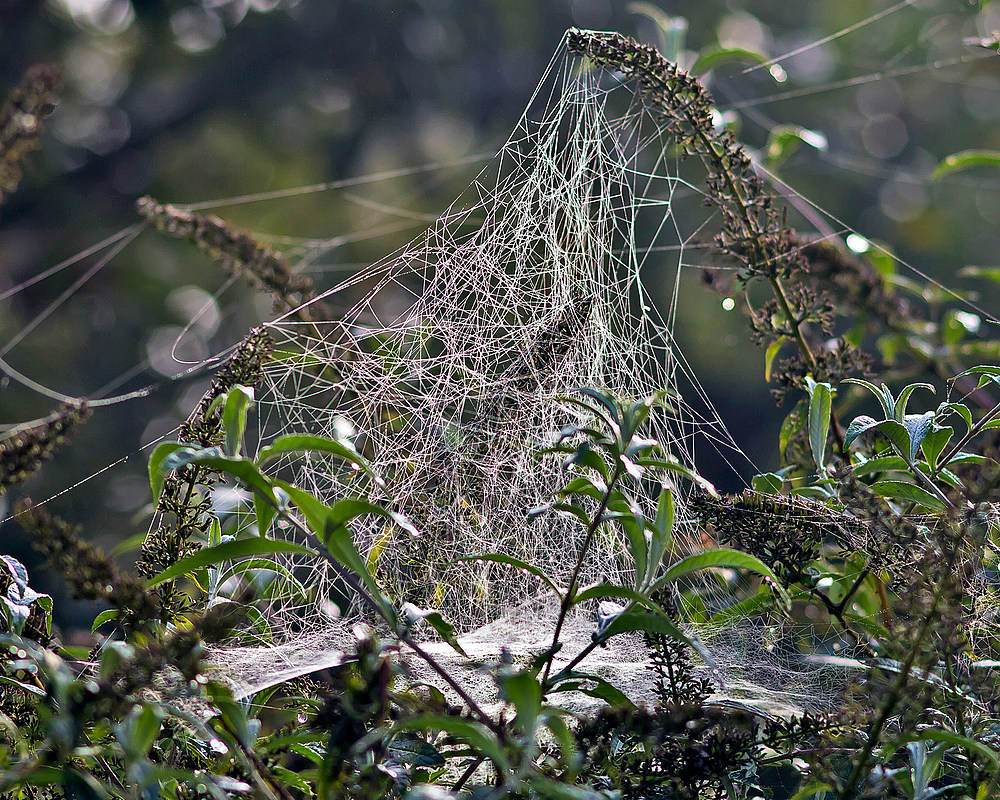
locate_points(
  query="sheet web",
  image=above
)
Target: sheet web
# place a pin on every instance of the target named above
(449, 376)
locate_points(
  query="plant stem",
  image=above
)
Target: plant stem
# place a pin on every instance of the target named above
(351, 580)
(568, 598)
(892, 699)
(972, 432)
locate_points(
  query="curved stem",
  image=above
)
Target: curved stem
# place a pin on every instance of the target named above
(568, 598)
(351, 580)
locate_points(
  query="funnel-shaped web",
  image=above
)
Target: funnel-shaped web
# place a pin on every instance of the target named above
(545, 275)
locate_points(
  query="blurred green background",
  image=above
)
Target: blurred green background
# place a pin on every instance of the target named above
(192, 101)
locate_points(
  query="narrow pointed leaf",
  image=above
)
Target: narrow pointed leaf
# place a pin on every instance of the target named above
(907, 492)
(918, 426)
(965, 742)
(661, 534)
(601, 689)
(303, 442)
(227, 551)
(770, 354)
(671, 464)
(820, 405)
(239, 401)
(434, 618)
(723, 558)
(524, 566)
(160, 464)
(899, 410)
(882, 393)
(966, 159)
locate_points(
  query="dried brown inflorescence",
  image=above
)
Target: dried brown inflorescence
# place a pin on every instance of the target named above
(786, 533)
(238, 253)
(22, 119)
(754, 232)
(180, 498)
(88, 571)
(23, 449)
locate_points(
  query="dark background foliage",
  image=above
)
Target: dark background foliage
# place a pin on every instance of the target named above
(195, 101)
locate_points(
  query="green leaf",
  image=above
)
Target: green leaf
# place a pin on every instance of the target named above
(407, 748)
(820, 406)
(569, 508)
(16, 570)
(987, 273)
(959, 408)
(140, 728)
(604, 407)
(304, 443)
(281, 572)
(500, 558)
(597, 590)
(727, 559)
(633, 418)
(784, 140)
(231, 713)
(813, 790)
(601, 689)
(547, 788)
(869, 624)
(918, 426)
(585, 486)
(767, 483)
(104, 616)
(79, 785)
(159, 466)
(792, 424)
(239, 400)
(712, 58)
(989, 373)
(480, 738)
(882, 393)
(899, 408)
(241, 468)
(881, 464)
(434, 618)
(630, 518)
(329, 525)
(227, 551)
(957, 740)
(894, 431)
(44, 601)
(670, 463)
(24, 687)
(640, 620)
(523, 690)
(662, 534)
(907, 492)
(966, 159)
(934, 443)
(770, 354)
(264, 512)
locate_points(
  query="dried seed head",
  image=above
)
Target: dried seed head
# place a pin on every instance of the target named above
(21, 121)
(23, 449)
(238, 253)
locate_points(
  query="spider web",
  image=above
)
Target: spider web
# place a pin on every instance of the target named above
(451, 375)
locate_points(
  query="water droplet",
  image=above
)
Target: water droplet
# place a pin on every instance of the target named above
(218, 746)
